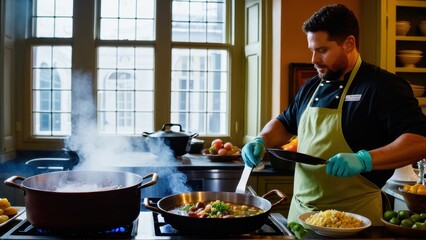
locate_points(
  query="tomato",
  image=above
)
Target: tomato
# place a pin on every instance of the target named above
(228, 146)
(217, 143)
(222, 152)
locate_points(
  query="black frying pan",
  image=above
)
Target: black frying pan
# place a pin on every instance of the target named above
(295, 157)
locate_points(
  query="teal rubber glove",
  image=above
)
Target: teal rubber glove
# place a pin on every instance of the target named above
(253, 152)
(349, 164)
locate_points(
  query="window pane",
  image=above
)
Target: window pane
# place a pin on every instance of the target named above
(109, 8)
(127, 20)
(125, 89)
(110, 32)
(198, 21)
(53, 18)
(199, 97)
(51, 90)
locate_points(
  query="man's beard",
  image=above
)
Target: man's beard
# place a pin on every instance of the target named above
(332, 75)
(340, 65)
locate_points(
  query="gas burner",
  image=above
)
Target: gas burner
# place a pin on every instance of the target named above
(162, 228)
(24, 230)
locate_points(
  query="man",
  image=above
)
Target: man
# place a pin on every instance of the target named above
(364, 120)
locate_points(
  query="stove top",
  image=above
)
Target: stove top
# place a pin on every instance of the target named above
(149, 225)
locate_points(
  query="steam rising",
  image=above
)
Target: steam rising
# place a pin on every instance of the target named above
(99, 152)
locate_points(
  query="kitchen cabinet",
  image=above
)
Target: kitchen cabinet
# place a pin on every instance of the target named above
(414, 12)
(381, 17)
(265, 183)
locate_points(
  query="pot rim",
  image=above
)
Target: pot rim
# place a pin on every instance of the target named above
(138, 181)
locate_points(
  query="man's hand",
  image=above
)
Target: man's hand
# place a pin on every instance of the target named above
(253, 152)
(349, 164)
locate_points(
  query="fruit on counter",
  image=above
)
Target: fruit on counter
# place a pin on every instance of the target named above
(223, 149)
(6, 211)
(416, 188)
(291, 145)
(405, 218)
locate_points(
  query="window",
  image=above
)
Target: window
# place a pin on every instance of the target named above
(51, 65)
(128, 61)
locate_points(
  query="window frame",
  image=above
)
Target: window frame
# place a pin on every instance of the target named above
(85, 35)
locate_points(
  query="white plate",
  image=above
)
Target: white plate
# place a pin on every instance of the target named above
(336, 232)
(20, 211)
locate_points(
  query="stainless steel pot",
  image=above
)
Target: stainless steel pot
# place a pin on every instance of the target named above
(92, 199)
(214, 226)
(179, 142)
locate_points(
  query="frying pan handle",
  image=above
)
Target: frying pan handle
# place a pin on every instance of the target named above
(12, 182)
(152, 182)
(277, 192)
(150, 207)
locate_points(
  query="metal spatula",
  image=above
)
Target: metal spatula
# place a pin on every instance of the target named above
(242, 184)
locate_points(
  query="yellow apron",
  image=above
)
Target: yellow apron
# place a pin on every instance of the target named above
(320, 134)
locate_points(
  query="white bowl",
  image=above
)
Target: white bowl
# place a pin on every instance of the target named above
(422, 27)
(402, 27)
(336, 232)
(409, 60)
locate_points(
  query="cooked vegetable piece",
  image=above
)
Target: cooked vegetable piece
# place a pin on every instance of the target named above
(216, 209)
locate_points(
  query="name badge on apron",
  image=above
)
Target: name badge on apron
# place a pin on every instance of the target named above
(353, 98)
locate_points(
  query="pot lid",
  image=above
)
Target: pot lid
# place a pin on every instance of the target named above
(167, 132)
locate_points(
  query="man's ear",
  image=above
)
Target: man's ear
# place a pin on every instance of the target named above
(350, 44)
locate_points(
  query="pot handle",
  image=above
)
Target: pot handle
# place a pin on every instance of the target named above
(11, 182)
(170, 125)
(152, 182)
(151, 207)
(146, 134)
(194, 135)
(282, 196)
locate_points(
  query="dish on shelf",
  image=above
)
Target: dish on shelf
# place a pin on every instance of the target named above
(418, 90)
(409, 60)
(422, 27)
(411, 52)
(402, 27)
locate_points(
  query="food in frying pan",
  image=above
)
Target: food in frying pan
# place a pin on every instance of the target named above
(334, 218)
(6, 211)
(216, 209)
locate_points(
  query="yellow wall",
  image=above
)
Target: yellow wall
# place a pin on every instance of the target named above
(293, 40)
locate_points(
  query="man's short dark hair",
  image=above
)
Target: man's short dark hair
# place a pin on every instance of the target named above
(335, 19)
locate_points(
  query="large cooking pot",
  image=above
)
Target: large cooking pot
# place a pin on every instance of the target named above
(210, 226)
(82, 200)
(179, 142)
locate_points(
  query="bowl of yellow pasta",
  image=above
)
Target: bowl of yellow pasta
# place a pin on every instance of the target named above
(334, 223)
